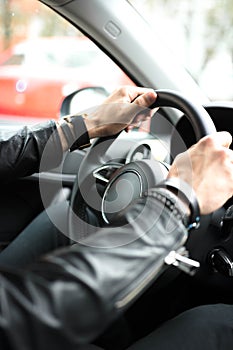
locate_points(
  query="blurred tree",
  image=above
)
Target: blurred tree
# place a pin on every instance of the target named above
(5, 19)
(198, 29)
(219, 28)
(24, 19)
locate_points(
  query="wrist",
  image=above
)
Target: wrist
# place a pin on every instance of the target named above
(187, 196)
(74, 132)
(92, 126)
(183, 203)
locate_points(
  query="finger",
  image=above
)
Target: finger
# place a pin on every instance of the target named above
(137, 122)
(146, 99)
(142, 116)
(223, 138)
(229, 153)
(134, 92)
(145, 114)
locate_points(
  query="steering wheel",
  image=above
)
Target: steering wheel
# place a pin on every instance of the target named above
(97, 196)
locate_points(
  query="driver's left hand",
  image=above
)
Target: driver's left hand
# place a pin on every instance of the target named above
(127, 106)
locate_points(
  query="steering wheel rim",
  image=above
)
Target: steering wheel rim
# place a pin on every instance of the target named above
(196, 114)
(79, 215)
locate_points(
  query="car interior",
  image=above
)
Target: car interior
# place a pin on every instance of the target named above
(88, 178)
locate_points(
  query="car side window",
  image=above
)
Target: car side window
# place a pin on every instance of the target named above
(42, 60)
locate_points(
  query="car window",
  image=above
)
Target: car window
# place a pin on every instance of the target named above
(200, 35)
(43, 59)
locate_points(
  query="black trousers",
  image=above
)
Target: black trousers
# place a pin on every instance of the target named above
(207, 327)
(40, 237)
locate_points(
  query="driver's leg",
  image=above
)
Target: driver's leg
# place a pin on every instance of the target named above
(38, 238)
(201, 328)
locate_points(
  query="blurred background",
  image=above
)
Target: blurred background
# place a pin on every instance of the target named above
(39, 65)
(200, 34)
(42, 60)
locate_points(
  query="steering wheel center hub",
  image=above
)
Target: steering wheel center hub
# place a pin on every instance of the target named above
(120, 192)
(128, 183)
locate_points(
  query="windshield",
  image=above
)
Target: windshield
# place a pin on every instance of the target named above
(200, 33)
(47, 51)
(43, 59)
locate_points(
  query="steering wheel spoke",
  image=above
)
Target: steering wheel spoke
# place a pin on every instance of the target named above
(104, 172)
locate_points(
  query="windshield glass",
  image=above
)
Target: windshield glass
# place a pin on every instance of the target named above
(43, 59)
(200, 33)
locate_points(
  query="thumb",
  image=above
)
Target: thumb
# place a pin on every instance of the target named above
(224, 138)
(146, 99)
